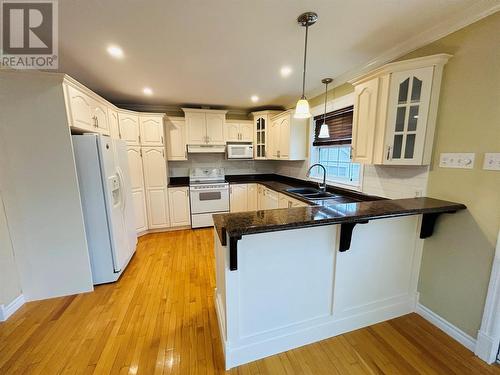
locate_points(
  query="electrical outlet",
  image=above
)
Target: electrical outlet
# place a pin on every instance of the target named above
(492, 161)
(457, 160)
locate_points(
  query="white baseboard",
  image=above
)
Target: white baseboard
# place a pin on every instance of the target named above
(293, 337)
(7, 310)
(463, 338)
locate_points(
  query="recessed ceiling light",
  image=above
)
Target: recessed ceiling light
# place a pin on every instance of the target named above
(254, 98)
(285, 71)
(115, 51)
(147, 91)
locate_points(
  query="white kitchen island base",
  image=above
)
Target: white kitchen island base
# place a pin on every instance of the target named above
(294, 287)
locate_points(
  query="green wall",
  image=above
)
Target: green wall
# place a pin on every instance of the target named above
(457, 259)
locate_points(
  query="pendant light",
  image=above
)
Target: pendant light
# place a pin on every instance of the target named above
(323, 131)
(302, 108)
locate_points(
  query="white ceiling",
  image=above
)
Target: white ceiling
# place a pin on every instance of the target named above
(216, 52)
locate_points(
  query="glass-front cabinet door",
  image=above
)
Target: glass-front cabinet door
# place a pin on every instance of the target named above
(408, 107)
(260, 137)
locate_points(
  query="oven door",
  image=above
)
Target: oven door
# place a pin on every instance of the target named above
(206, 199)
(240, 151)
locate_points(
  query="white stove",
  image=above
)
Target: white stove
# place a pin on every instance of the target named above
(209, 194)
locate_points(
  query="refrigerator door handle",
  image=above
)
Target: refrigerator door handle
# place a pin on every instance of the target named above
(122, 185)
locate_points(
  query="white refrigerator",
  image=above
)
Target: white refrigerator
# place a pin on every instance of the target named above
(104, 181)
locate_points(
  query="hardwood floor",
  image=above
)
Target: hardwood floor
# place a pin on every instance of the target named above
(159, 318)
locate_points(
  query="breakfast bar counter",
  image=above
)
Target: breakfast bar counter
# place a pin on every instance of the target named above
(289, 277)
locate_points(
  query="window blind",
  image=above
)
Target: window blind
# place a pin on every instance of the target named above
(339, 125)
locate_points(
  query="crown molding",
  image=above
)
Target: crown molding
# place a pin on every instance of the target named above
(457, 21)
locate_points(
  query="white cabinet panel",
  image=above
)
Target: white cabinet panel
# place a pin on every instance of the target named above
(138, 198)
(179, 206)
(252, 197)
(271, 199)
(155, 180)
(151, 130)
(154, 167)
(238, 198)
(137, 185)
(114, 128)
(408, 106)
(284, 138)
(246, 131)
(100, 113)
(129, 128)
(215, 128)
(239, 131)
(80, 107)
(232, 132)
(364, 120)
(157, 204)
(176, 139)
(196, 128)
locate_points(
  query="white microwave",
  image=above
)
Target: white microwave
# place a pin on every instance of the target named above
(240, 151)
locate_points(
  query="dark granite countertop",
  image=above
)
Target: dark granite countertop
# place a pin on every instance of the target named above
(238, 224)
(281, 183)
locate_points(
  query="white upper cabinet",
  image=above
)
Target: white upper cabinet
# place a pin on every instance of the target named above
(80, 109)
(114, 128)
(241, 131)
(205, 126)
(176, 138)
(196, 128)
(395, 112)
(151, 130)
(288, 137)
(261, 128)
(129, 128)
(179, 206)
(100, 116)
(215, 128)
(364, 120)
(409, 97)
(86, 112)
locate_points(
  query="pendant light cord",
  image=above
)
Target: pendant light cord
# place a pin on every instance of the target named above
(305, 59)
(326, 98)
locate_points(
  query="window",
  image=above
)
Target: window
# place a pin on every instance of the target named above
(334, 152)
(337, 161)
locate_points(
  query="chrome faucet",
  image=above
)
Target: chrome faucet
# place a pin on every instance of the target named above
(322, 186)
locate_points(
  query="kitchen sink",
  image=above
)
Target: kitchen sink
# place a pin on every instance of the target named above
(302, 191)
(311, 193)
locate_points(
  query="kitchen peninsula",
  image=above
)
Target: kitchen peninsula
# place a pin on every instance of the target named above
(292, 276)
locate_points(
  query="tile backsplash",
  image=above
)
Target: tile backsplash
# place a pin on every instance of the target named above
(181, 168)
(386, 181)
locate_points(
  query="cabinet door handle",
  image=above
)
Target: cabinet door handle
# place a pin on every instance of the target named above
(162, 139)
(388, 152)
(352, 153)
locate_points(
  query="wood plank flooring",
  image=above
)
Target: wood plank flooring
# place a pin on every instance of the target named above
(159, 318)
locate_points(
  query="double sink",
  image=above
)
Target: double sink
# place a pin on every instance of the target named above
(311, 193)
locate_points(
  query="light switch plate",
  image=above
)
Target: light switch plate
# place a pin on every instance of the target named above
(492, 161)
(464, 160)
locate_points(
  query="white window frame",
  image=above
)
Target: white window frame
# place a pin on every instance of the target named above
(331, 105)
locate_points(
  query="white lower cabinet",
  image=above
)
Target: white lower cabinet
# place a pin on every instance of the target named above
(179, 206)
(238, 200)
(137, 185)
(270, 199)
(155, 182)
